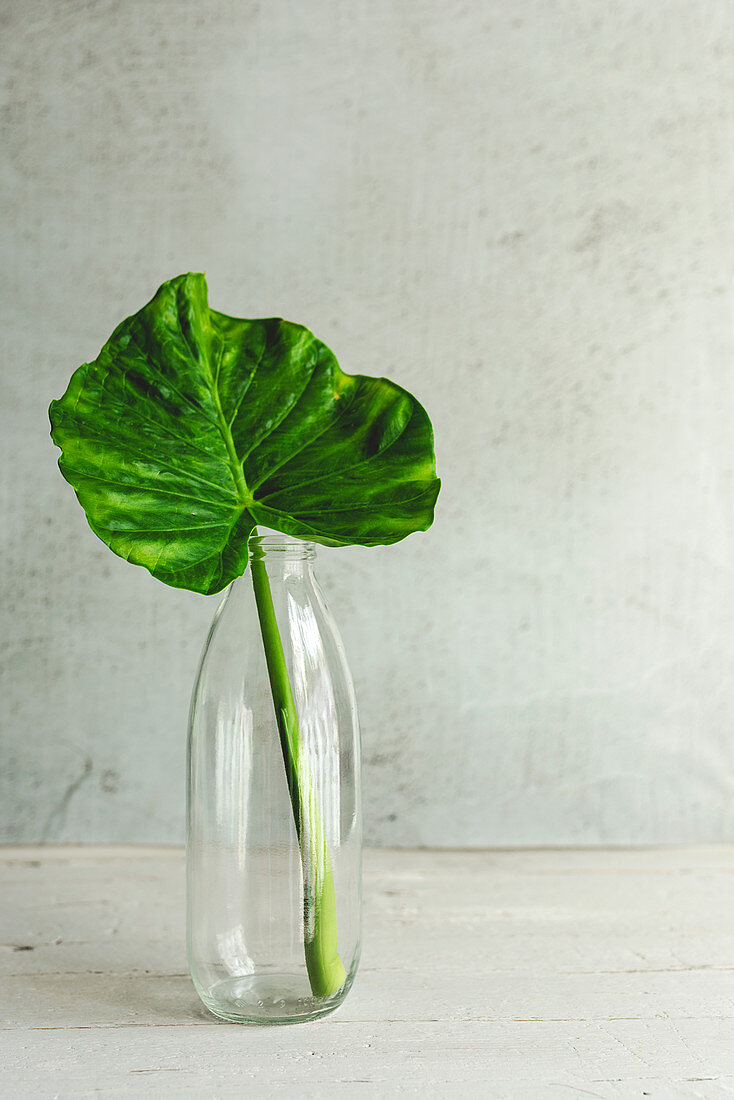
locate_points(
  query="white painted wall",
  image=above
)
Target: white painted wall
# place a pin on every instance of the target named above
(520, 211)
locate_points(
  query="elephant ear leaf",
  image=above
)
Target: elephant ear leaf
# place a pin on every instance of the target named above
(191, 426)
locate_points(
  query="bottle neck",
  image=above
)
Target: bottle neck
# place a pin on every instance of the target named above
(281, 553)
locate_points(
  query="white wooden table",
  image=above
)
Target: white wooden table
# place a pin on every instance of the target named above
(485, 974)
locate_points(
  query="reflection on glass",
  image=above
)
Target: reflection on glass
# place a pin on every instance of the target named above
(253, 891)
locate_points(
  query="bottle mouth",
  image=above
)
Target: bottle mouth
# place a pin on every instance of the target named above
(276, 544)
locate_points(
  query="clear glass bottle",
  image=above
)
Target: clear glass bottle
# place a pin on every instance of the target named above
(274, 845)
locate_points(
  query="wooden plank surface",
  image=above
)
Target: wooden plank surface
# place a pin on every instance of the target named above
(607, 973)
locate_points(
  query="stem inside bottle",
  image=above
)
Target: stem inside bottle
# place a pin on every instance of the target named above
(325, 968)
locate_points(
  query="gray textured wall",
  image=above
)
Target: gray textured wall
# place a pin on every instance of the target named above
(520, 211)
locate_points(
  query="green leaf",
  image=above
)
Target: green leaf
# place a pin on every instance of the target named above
(191, 426)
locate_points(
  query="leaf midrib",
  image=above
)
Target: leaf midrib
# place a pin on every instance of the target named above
(235, 463)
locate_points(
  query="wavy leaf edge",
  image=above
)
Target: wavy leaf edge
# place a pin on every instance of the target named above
(335, 458)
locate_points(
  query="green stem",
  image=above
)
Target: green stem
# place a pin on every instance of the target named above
(325, 969)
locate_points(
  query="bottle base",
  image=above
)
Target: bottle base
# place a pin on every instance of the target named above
(267, 999)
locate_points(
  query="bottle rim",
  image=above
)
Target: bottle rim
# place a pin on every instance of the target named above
(267, 542)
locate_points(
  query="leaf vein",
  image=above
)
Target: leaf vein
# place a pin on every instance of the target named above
(141, 488)
(347, 469)
(155, 369)
(335, 420)
(278, 423)
(368, 506)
